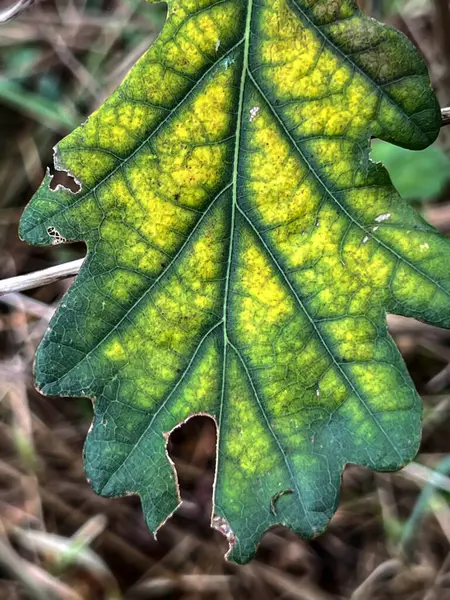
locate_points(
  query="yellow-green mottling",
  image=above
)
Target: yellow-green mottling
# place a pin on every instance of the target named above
(242, 254)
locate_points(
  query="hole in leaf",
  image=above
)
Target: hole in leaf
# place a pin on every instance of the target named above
(192, 448)
(63, 179)
(57, 238)
(275, 498)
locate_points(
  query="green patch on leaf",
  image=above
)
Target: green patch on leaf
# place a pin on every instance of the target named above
(242, 254)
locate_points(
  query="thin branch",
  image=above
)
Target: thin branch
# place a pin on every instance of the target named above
(13, 11)
(39, 278)
(445, 113)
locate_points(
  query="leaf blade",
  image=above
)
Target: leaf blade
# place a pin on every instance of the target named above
(242, 254)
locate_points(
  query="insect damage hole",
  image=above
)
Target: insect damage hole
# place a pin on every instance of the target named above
(253, 113)
(62, 179)
(222, 525)
(192, 449)
(57, 237)
(275, 498)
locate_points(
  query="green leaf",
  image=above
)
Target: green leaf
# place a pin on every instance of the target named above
(242, 254)
(416, 175)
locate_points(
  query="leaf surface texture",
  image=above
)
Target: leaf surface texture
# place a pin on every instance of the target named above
(242, 254)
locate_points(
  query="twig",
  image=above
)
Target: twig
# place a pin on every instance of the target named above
(13, 11)
(445, 113)
(39, 278)
(399, 325)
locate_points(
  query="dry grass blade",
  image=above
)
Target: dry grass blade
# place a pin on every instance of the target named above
(190, 584)
(28, 305)
(37, 582)
(381, 574)
(64, 552)
(425, 475)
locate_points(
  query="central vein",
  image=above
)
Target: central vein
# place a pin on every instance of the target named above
(237, 147)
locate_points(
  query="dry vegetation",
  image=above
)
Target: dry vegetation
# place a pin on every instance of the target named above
(390, 538)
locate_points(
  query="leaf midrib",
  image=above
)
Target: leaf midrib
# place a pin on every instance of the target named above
(226, 341)
(235, 206)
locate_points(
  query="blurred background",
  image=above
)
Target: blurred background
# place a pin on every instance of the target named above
(390, 539)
